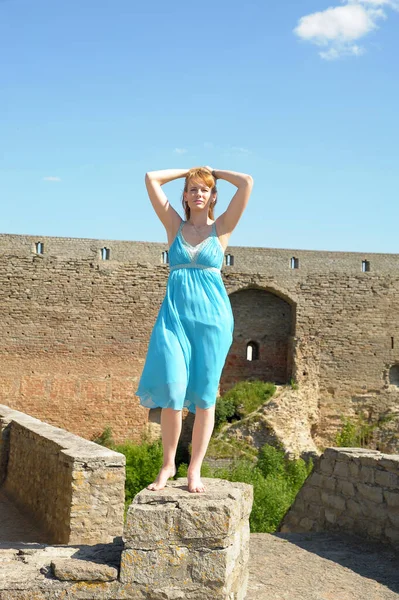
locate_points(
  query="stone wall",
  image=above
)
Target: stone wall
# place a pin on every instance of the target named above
(75, 329)
(350, 490)
(72, 488)
(176, 545)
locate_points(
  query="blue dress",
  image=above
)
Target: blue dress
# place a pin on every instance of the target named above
(193, 331)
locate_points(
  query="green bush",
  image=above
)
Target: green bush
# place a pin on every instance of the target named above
(142, 466)
(242, 399)
(276, 481)
(105, 438)
(361, 431)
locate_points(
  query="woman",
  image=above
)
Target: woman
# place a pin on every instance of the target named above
(194, 328)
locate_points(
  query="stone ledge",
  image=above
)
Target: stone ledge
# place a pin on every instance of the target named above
(73, 569)
(71, 487)
(364, 499)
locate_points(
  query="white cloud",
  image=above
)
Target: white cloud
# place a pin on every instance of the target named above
(338, 28)
(51, 178)
(180, 150)
(240, 150)
(334, 53)
(389, 3)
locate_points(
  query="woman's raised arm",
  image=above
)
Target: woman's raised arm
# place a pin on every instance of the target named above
(153, 181)
(239, 201)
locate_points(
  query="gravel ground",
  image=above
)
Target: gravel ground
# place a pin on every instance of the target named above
(321, 566)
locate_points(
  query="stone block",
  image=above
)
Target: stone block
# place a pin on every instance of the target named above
(315, 479)
(330, 516)
(371, 459)
(370, 492)
(390, 462)
(354, 469)
(326, 465)
(386, 479)
(346, 488)
(82, 570)
(345, 522)
(366, 474)
(372, 510)
(189, 543)
(341, 469)
(391, 498)
(333, 501)
(306, 524)
(354, 508)
(329, 483)
(311, 494)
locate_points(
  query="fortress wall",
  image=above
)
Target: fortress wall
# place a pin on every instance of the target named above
(349, 490)
(72, 488)
(75, 328)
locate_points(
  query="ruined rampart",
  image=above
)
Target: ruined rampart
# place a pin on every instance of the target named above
(351, 490)
(77, 316)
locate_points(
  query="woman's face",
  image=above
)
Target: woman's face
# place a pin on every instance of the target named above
(198, 195)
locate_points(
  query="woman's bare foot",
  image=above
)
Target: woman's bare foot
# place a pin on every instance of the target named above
(164, 474)
(194, 482)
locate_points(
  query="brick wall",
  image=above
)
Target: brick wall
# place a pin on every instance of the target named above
(75, 328)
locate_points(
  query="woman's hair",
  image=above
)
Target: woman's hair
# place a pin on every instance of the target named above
(209, 180)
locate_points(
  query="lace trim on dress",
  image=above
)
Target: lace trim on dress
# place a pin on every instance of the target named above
(193, 251)
(194, 266)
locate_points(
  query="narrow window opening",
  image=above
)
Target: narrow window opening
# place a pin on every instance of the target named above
(39, 248)
(294, 263)
(105, 253)
(229, 260)
(365, 266)
(252, 351)
(165, 257)
(392, 343)
(394, 375)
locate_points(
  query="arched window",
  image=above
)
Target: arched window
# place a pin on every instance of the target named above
(252, 351)
(105, 253)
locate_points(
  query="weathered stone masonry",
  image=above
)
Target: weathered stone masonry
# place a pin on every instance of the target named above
(173, 544)
(352, 490)
(75, 328)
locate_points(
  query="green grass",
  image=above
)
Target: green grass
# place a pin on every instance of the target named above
(241, 400)
(361, 431)
(231, 448)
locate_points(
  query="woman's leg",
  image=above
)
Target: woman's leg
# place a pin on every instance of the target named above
(171, 422)
(202, 431)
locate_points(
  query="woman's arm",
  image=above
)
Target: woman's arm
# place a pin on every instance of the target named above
(165, 211)
(237, 179)
(165, 175)
(239, 201)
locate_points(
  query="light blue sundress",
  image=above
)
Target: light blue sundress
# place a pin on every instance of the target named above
(193, 331)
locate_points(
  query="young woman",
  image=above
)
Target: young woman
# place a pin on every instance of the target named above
(194, 328)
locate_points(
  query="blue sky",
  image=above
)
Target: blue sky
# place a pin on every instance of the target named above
(303, 96)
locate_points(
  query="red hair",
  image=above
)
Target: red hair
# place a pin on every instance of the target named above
(204, 175)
